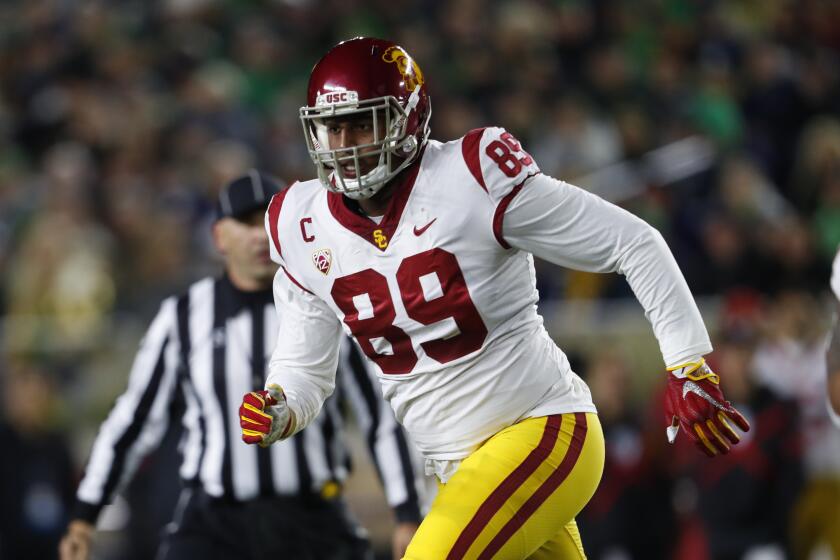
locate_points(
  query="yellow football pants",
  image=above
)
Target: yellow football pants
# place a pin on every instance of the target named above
(816, 518)
(517, 495)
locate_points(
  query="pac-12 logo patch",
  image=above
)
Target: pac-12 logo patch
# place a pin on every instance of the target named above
(323, 260)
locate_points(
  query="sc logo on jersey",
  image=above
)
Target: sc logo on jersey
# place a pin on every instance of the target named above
(380, 239)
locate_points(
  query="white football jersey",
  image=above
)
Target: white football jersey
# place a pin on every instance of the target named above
(441, 295)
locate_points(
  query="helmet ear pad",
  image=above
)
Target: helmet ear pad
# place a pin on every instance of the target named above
(356, 76)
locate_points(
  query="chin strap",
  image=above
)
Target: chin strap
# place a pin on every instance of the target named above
(413, 100)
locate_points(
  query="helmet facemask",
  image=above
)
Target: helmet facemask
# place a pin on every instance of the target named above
(394, 148)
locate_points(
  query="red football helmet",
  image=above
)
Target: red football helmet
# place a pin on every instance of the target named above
(365, 76)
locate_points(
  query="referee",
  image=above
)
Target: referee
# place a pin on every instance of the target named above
(240, 501)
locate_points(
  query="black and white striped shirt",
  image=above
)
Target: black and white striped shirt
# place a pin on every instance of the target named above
(212, 344)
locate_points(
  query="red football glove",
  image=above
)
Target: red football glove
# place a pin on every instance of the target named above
(265, 417)
(694, 401)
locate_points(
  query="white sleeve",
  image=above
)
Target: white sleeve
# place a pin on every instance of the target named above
(835, 276)
(306, 355)
(570, 227)
(140, 416)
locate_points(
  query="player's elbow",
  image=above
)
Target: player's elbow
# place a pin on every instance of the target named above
(642, 233)
(646, 242)
(651, 235)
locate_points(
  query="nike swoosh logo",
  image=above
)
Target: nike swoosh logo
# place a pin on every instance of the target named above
(420, 231)
(692, 387)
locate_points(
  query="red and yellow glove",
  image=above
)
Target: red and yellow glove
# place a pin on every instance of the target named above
(694, 401)
(265, 417)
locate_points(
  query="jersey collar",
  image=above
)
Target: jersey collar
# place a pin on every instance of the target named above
(379, 235)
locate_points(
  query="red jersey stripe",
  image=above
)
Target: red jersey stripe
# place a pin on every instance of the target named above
(274, 215)
(469, 149)
(499, 215)
(295, 282)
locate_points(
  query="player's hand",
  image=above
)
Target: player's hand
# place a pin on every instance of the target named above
(265, 417)
(75, 545)
(403, 533)
(694, 401)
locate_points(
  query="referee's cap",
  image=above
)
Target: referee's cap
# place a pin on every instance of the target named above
(247, 193)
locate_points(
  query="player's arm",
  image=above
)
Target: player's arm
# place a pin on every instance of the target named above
(134, 428)
(568, 226)
(306, 356)
(387, 441)
(301, 372)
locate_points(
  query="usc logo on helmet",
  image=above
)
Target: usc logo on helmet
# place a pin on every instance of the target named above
(413, 76)
(380, 239)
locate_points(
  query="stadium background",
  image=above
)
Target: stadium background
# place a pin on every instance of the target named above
(715, 121)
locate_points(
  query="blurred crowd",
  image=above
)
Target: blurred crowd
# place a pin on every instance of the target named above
(717, 122)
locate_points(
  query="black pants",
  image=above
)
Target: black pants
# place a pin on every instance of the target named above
(278, 528)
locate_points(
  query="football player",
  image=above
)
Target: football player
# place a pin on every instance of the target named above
(422, 251)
